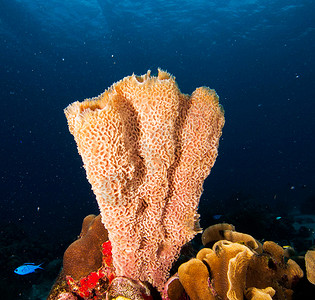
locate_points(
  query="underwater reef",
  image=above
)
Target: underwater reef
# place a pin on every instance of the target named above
(231, 265)
(147, 149)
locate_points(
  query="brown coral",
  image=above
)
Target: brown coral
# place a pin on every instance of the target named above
(310, 265)
(191, 271)
(85, 254)
(147, 149)
(277, 273)
(224, 231)
(81, 258)
(236, 269)
(229, 262)
(173, 289)
(260, 294)
(215, 233)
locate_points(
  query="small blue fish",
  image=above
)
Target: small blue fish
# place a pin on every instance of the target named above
(27, 268)
(216, 217)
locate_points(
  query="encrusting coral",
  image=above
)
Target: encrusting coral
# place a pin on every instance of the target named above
(84, 255)
(146, 149)
(86, 264)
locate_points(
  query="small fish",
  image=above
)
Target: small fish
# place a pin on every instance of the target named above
(27, 268)
(216, 217)
(287, 247)
(278, 218)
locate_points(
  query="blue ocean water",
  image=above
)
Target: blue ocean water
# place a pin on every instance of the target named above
(258, 56)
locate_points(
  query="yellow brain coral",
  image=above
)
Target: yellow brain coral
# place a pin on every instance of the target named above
(147, 149)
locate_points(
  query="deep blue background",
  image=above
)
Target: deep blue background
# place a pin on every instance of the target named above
(259, 58)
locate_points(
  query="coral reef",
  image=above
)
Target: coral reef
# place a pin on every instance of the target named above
(147, 149)
(87, 264)
(231, 270)
(228, 270)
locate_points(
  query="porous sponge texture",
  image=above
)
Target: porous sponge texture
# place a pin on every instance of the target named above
(147, 149)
